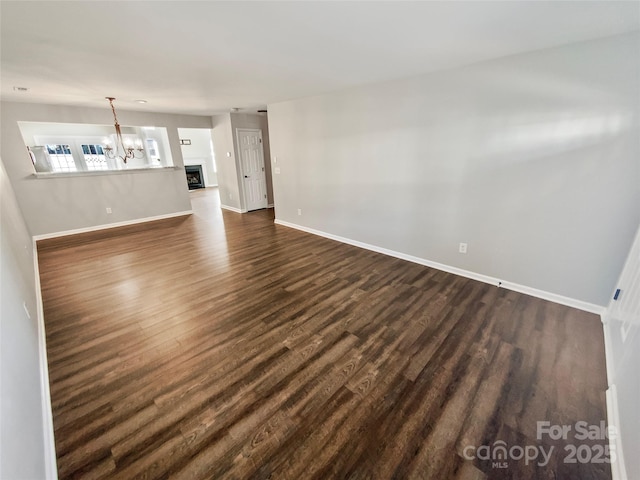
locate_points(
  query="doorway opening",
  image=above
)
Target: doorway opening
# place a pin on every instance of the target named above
(197, 153)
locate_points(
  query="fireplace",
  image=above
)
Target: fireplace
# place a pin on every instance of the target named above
(195, 178)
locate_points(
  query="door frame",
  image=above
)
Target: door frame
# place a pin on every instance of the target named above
(241, 169)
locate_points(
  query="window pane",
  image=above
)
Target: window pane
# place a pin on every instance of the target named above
(94, 157)
(60, 158)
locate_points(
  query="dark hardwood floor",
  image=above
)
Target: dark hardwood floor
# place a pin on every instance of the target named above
(220, 345)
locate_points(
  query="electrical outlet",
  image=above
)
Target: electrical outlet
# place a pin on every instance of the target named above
(109, 210)
(299, 211)
(462, 248)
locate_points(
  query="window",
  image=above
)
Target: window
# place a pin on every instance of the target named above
(94, 157)
(64, 148)
(60, 158)
(152, 149)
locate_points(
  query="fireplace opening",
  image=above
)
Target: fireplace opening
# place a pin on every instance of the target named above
(195, 179)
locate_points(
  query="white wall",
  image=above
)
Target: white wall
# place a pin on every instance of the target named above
(622, 333)
(60, 204)
(199, 152)
(31, 130)
(533, 160)
(228, 176)
(24, 432)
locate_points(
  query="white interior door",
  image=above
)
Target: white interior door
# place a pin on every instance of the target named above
(252, 163)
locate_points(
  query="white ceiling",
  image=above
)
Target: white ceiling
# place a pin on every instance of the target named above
(207, 57)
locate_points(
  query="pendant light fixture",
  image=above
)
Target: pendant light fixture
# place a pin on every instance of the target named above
(123, 149)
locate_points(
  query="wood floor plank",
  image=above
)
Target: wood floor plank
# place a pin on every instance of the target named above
(221, 345)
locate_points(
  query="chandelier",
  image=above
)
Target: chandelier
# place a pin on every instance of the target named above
(124, 149)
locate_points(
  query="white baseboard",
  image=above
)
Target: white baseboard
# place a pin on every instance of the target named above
(110, 225)
(554, 297)
(618, 470)
(51, 465)
(270, 205)
(608, 349)
(233, 209)
(570, 302)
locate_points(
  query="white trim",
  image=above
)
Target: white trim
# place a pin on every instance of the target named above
(233, 209)
(270, 205)
(608, 349)
(618, 469)
(96, 228)
(51, 466)
(553, 297)
(93, 173)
